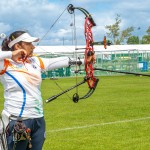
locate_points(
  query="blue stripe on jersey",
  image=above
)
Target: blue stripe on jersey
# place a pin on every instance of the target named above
(24, 93)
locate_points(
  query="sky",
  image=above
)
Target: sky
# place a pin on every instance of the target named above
(40, 18)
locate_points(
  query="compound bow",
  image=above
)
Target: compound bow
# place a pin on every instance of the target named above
(88, 60)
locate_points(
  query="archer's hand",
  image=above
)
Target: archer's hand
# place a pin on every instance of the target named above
(91, 59)
(19, 55)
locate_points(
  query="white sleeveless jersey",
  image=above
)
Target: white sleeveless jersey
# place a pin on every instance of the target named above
(22, 83)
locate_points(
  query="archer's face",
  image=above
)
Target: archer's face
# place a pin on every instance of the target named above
(29, 47)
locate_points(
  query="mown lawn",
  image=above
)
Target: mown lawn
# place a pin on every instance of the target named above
(115, 117)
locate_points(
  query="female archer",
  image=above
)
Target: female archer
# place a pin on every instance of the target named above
(20, 75)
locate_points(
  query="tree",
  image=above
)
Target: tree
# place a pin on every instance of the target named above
(114, 29)
(148, 30)
(115, 34)
(125, 34)
(133, 40)
(146, 38)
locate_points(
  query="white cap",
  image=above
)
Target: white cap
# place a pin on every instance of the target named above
(25, 37)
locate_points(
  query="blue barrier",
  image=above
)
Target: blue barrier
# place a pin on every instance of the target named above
(143, 65)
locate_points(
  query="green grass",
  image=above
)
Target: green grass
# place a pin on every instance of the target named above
(113, 118)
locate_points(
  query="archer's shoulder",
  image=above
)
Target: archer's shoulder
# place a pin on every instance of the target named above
(35, 56)
(38, 60)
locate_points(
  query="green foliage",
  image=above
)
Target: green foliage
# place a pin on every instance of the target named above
(133, 40)
(146, 39)
(125, 34)
(114, 29)
(120, 37)
(115, 34)
(148, 30)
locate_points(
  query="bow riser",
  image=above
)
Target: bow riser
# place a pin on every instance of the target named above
(89, 53)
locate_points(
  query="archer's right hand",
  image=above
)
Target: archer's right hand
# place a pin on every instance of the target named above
(19, 55)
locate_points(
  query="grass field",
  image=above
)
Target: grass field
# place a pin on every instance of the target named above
(115, 117)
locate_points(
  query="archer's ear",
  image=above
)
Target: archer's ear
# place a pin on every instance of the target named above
(17, 46)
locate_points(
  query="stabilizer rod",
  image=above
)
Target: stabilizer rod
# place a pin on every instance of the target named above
(124, 72)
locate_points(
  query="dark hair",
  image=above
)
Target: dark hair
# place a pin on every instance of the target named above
(5, 45)
(12, 36)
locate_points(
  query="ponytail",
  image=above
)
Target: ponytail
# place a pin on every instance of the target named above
(5, 45)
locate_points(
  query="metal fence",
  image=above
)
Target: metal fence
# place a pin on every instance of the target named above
(124, 60)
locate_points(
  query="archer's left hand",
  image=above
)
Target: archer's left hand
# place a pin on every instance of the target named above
(91, 58)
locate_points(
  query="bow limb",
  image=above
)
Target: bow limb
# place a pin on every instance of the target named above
(75, 96)
(91, 90)
(67, 90)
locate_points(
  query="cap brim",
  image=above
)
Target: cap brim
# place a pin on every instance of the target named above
(25, 37)
(31, 39)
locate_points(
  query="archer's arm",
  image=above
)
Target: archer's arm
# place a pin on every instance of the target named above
(4, 55)
(60, 62)
(14, 55)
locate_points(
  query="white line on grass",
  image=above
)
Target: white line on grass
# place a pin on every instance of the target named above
(101, 124)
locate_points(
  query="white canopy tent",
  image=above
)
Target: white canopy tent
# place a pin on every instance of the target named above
(70, 50)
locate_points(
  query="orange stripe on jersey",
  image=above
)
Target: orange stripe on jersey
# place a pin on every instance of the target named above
(41, 63)
(6, 64)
